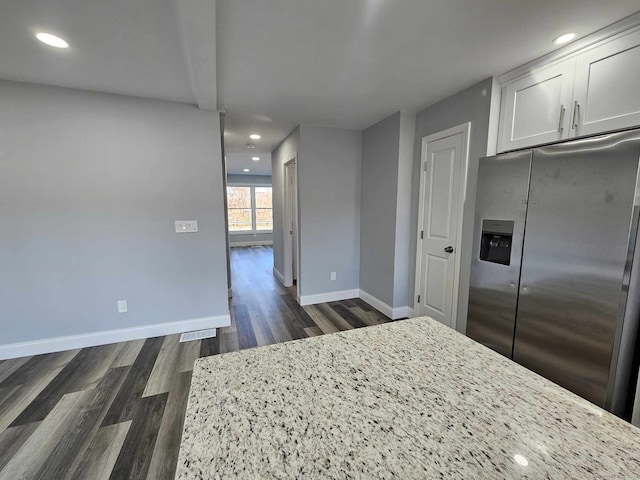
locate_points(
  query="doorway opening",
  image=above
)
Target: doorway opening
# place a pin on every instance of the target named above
(442, 186)
(290, 225)
(249, 213)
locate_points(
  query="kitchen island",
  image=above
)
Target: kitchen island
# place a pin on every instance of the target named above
(409, 399)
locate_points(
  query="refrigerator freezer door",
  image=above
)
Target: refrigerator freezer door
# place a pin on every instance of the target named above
(573, 266)
(501, 207)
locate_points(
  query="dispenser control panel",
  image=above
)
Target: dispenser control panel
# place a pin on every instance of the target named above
(495, 244)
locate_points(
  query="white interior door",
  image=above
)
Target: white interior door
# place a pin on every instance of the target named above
(294, 219)
(442, 197)
(290, 224)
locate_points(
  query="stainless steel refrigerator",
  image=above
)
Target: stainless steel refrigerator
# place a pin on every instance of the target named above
(554, 284)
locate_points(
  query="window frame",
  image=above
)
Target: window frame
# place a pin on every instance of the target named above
(252, 187)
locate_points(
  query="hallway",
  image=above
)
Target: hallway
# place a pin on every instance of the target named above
(263, 312)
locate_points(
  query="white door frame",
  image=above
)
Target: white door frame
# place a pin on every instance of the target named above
(465, 129)
(286, 227)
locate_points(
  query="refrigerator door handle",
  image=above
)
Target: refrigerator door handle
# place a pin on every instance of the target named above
(561, 119)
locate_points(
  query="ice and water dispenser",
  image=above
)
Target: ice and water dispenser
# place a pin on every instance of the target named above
(495, 244)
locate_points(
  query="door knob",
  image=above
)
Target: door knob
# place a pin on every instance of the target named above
(448, 249)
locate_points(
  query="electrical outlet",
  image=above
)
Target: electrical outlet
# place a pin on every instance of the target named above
(122, 306)
(333, 275)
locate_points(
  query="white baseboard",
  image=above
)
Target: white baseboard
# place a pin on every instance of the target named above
(254, 243)
(392, 313)
(278, 275)
(58, 344)
(328, 297)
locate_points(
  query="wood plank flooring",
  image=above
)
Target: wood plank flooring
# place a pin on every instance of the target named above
(116, 411)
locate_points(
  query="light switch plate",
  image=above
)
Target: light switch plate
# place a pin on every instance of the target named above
(186, 226)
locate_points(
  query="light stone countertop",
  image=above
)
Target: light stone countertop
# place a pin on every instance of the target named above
(411, 400)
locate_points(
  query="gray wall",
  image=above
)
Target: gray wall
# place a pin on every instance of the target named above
(224, 198)
(91, 186)
(241, 239)
(380, 148)
(281, 155)
(329, 162)
(470, 105)
(234, 179)
(387, 164)
(403, 262)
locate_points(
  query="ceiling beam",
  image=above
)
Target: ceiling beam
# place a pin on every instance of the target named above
(197, 23)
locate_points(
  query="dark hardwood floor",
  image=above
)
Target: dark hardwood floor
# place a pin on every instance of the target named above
(116, 411)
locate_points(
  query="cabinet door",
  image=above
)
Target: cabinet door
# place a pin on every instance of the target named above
(535, 109)
(607, 87)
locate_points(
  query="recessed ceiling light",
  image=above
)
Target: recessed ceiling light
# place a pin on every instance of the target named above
(255, 159)
(52, 40)
(567, 37)
(245, 169)
(254, 136)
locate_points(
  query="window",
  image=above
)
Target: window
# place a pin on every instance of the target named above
(264, 208)
(239, 209)
(249, 209)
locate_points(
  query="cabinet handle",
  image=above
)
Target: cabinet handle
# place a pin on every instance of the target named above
(576, 115)
(561, 119)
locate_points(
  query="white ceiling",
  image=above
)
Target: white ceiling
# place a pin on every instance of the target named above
(237, 162)
(273, 64)
(238, 126)
(351, 63)
(162, 49)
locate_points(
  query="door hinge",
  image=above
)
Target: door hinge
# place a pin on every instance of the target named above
(425, 166)
(418, 298)
(421, 234)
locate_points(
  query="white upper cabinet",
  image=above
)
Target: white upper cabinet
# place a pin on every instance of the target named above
(535, 108)
(607, 88)
(594, 90)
